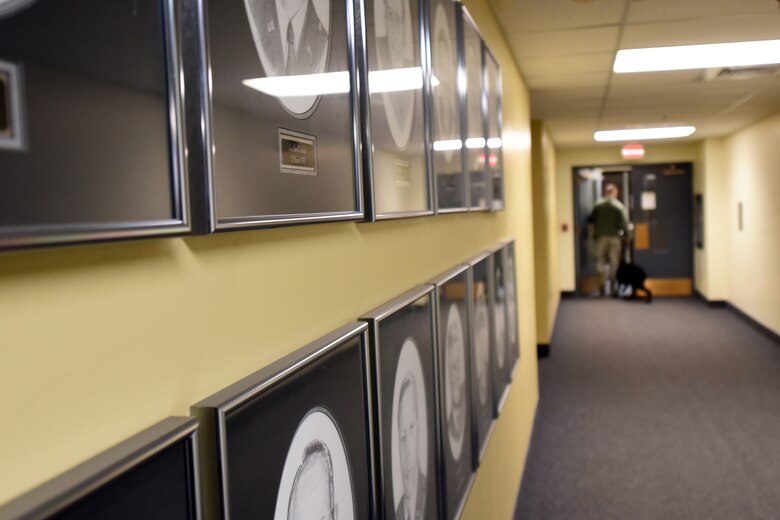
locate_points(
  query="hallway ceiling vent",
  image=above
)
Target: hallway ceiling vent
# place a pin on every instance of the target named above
(731, 73)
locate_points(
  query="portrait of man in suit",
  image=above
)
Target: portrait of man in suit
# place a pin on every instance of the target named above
(312, 495)
(455, 380)
(481, 343)
(292, 38)
(412, 504)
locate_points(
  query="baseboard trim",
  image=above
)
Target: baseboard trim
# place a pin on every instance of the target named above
(714, 304)
(542, 350)
(568, 295)
(765, 331)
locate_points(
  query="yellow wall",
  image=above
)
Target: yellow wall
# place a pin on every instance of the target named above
(597, 155)
(548, 292)
(101, 341)
(752, 177)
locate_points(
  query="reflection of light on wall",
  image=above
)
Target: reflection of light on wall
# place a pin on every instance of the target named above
(449, 144)
(494, 142)
(304, 85)
(475, 142)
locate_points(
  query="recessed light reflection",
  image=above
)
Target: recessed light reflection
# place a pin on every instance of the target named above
(304, 85)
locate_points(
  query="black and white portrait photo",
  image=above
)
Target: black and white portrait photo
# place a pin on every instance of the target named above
(292, 38)
(403, 348)
(454, 388)
(482, 355)
(409, 434)
(499, 313)
(447, 129)
(511, 305)
(316, 482)
(455, 380)
(482, 343)
(395, 37)
(293, 440)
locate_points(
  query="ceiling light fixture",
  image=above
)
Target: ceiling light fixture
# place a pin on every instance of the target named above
(738, 54)
(640, 134)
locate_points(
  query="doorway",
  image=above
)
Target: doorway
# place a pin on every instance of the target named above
(659, 201)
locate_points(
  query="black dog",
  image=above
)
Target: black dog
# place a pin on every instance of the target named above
(634, 276)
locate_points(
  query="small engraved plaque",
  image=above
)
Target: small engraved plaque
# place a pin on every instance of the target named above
(297, 153)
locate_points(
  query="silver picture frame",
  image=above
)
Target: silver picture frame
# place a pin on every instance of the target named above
(259, 418)
(245, 183)
(453, 330)
(393, 56)
(445, 146)
(513, 321)
(483, 399)
(472, 113)
(492, 109)
(503, 363)
(119, 483)
(34, 229)
(405, 392)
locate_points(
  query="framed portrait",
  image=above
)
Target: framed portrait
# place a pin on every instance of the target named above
(282, 139)
(453, 344)
(512, 322)
(152, 475)
(403, 368)
(472, 113)
(91, 148)
(493, 122)
(293, 440)
(480, 296)
(394, 133)
(446, 148)
(502, 364)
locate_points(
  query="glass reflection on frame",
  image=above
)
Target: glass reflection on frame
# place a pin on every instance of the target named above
(493, 120)
(283, 134)
(447, 147)
(78, 177)
(394, 134)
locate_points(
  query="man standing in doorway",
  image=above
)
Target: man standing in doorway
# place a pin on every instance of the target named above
(610, 224)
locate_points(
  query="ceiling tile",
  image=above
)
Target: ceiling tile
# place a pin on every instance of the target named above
(562, 43)
(517, 16)
(662, 10)
(711, 30)
(552, 81)
(583, 63)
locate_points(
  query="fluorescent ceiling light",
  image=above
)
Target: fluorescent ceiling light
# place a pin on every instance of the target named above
(305, 85)
(637, 134)
(738, 54)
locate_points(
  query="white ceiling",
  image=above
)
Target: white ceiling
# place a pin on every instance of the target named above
(565, 50)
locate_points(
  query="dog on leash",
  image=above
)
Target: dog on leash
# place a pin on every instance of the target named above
(631, 275)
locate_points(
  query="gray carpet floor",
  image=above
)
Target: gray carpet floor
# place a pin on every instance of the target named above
(663, 411)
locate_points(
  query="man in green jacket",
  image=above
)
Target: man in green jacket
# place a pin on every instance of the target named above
(610, 224)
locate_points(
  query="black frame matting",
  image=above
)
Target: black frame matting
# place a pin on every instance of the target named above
(103, 155)
(249, 427)
(152, 475)
(391, 326)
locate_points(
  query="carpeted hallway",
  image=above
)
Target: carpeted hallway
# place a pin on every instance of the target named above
(664, 411)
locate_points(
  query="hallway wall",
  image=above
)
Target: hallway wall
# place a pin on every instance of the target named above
(609, 154)
(101, 341)
(548, 291)
(752, 178)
